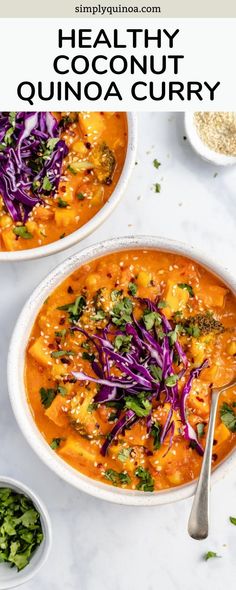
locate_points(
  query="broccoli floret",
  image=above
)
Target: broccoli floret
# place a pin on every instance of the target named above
(200, 324)
(104, 163)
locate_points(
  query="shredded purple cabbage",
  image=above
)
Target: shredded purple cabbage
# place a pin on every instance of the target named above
(31, 156)
(146, 368)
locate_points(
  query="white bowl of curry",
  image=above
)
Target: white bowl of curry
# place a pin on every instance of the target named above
(111, 364)
(61, 175)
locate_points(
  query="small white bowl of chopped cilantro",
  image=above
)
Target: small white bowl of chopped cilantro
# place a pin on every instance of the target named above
(25, 533)
(212, 136)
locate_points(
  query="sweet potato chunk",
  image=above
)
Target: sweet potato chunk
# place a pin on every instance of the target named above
(92, 125)
(40, 352)
(214, 296)
(175, 297)
(55, 411)
(64, 217)
(76, 447)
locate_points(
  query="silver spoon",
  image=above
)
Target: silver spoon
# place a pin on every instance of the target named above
(198, 523)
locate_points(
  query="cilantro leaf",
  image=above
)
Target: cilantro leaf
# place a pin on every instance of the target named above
(88, 356)
(74, 309)
(228, 416)
(210, 554)
(122, 343)
(200, 429)
(187, 287)
(156, 372)
(47, 185)
(20, 526)
(55, 443)
(156, 433)
(115, 294)
(52, 142)
(22, 232)
(139, 404)
(150, 319)
(171, 380)
(157, 187)
(62, 204)
(56, 354)
(132, 289)
(100, 315)
(146, 483)
(47, 396)
(121, 312)
(124, 454)
(117, 478)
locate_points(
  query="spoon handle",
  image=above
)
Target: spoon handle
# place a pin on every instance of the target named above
(199, 516)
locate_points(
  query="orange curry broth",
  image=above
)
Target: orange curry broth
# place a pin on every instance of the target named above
(51, 222)
(82, 432)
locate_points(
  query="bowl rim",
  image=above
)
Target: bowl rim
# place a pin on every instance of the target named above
(16, 358)
(22, 576)
(89, 227)
(201, 148)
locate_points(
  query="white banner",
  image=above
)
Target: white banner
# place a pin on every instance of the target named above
(123, 65)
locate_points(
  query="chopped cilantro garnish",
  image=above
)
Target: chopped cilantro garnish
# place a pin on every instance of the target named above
(22, 232)
(200, 429)
(115, 294)
(210, 554)
(162, 303)
(55, 443)
(62, 390)
(56, 354)
(62, 204)
(87, 356)
(187, 287)
(121, 312)
(156, 433)
(157, 187)
(21, 530)
(47, 185)
(150, 319)
(52, 142)
(139, 404)
(117, 478)
(156, 372)
(146, 483)
(100, 315)
(74, 309)
(171, 380)
(47, 396)
(80, 196)
(228, 416)
(156, 164)
(132, 289)
(122, 343)
(61, 333)
(124, 454)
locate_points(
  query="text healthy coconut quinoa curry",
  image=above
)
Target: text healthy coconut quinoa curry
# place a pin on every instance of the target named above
(56, 172)
(120, 365)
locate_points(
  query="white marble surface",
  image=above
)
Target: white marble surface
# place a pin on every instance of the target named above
(99, 546)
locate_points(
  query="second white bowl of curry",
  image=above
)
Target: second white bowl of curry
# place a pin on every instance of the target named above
(61, 175)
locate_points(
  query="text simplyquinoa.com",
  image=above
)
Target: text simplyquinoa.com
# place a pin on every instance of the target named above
(100, 9)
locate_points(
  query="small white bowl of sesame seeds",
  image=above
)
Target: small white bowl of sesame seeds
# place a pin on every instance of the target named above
(16, 370)
(212, 136)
